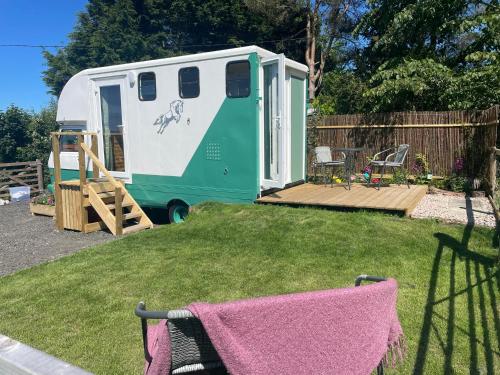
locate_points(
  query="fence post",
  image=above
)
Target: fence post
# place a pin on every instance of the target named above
(57, 182)
(39, 172)
(492, 171)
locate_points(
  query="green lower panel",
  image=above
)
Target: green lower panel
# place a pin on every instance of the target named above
(156, 191)
(66, 174)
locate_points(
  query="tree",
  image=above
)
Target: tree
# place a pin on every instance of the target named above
(13, 132)
(119, 31)
(341, 93)
(426, 54)
(326, 22)
(409, 85)
(39, 127)
(216, 24)
(108, 32)
(478, 87)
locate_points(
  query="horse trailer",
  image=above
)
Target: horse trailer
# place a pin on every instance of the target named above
(223, 126)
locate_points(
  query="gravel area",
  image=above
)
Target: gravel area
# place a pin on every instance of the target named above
(26, 240)
(456, 209)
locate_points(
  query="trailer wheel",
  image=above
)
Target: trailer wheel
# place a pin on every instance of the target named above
(177, 212)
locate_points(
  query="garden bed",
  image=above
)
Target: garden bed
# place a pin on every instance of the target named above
(42, 209)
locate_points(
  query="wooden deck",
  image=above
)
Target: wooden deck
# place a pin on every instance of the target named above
(389, 198)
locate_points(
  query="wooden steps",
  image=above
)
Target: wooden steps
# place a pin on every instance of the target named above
(91, 204)
(111, 206)
(117, 209)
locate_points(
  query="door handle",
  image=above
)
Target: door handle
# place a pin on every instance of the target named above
(277, 120)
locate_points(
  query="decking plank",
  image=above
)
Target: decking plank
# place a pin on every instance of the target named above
(392, 198)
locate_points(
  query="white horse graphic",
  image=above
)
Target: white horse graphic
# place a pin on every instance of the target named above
(175, 113)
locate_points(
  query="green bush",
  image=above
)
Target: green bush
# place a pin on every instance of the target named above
(399, 176)
(459, 184)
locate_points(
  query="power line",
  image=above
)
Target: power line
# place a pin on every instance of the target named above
(176, 46)
(32, 45)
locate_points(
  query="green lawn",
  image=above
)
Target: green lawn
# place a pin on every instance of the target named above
(80, 308)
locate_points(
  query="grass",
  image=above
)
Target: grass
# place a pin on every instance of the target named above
(80, 308)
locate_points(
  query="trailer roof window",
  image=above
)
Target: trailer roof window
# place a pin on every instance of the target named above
(147, 86)
(189, 82)
(238, 79)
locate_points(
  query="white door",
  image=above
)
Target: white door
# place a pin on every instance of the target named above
(112, 125)
(274, 122)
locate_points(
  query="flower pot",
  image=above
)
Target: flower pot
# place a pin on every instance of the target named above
(42, 209)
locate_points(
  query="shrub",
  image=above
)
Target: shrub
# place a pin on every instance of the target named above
(46, 199)
(459, 184)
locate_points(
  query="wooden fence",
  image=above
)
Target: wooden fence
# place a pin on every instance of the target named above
(441, 136)
(29, 173)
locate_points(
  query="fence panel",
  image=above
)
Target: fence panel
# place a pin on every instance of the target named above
(440, 136)
(28, 173)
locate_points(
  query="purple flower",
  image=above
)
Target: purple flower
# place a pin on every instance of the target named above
(417, 168)
(459, 164)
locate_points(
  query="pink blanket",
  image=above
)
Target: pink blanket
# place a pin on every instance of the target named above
(159, 349)
(338, 331)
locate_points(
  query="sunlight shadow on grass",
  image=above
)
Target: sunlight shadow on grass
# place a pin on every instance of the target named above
(473, 264)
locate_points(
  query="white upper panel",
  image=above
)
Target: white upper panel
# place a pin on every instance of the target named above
(73, 106)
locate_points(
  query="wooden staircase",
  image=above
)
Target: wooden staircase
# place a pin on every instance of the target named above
(115, 206)
(105, 195)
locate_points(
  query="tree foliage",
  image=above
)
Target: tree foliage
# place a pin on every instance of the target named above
(25, 135)
(120, 31)
(426, 54)
(41, 124)
(342, 92)
(373, 55)
(411, 85)
(13, 132)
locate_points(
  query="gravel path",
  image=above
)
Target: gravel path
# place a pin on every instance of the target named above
(456, 209)
(26, 240)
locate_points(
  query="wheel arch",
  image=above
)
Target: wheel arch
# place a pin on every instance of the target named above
(178, 201)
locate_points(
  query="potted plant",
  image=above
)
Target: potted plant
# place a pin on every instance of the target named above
(43, 204)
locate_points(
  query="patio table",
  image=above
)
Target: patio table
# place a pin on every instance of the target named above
(350, 157)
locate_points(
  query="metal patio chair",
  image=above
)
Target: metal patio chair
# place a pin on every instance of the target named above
(191, 348)
(395, 159)
(323, 159)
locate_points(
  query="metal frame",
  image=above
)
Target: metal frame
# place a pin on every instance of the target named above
(141, 312)
(386, 160)
(279, 122)
(333, 163)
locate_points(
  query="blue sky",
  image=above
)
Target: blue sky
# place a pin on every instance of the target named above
(40, 22)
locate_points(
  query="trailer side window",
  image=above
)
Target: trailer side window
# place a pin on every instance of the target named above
(189, 82)
(238, 79)
(147, 86)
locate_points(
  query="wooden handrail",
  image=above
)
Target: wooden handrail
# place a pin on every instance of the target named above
(100, 165)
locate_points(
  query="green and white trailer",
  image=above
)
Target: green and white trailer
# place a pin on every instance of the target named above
(219, 126)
